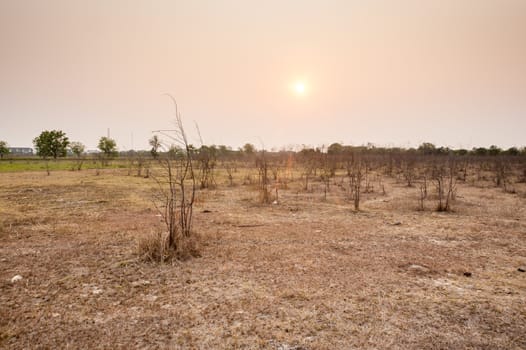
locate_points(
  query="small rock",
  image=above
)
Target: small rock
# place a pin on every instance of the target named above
(16, 278)
(97, 291)
(467, 274)
(397, 223)
(275, 202)
(207, 211)
(521, 269)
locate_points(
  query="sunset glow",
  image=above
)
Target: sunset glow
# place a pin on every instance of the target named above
(299, 87)
(392, 72)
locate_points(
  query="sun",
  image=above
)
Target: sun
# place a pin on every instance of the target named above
(299, 88)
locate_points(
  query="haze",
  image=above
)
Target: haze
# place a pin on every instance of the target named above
(387, 72)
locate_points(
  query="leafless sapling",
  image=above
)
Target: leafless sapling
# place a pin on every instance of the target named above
(176, 182)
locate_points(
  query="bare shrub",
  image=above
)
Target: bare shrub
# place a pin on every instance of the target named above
(423, 192)
(444, 176)
(176, 182)
(381, 185)
(230, 168)
(77, 148)
(206, 159)
(463, 169)
(369, 187)
(308, 164)
(502, 174)
(263, 178)
(522, 176)
(139, 162)
(355, 174)
(408, 170)
(327, 172)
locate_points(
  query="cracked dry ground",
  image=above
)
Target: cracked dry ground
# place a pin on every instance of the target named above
(302, 274)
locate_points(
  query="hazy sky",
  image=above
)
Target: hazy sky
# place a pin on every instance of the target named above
(451, 72)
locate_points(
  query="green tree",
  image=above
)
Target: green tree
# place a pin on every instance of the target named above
(3, 149)
(52, 143)
(461, 152)
(249, 148)
(335, 148)
(223, 151)
(108, 147)
(427, 148)
(494, 150)
(512, 151)
(156, 144)
(77, 148)
(480, 151)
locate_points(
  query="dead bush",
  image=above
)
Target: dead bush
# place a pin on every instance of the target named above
(263, 178)
(176, 180)
(444, 176)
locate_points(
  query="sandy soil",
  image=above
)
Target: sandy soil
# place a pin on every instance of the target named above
(302, 274)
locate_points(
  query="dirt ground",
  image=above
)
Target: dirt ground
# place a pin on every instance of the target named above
(305, 273)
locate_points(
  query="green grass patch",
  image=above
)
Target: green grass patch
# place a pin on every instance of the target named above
(29, 164)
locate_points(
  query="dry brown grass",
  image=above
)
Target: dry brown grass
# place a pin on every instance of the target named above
(153, 247)
(306, 273)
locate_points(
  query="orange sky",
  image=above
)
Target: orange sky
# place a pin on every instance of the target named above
(387, 72)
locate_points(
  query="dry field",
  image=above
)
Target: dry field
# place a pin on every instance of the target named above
(301, 274)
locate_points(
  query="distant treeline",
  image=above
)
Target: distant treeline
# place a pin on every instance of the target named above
(222, 151)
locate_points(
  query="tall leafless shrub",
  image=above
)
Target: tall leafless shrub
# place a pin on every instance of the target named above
(230, 168)
(423, 192)
(327, 172)
(408, 169)
(355, 172)
(502, 172)
(263, 178)
(176, 182)
(444, 175)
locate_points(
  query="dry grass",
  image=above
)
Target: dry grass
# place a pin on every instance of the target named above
(306, 273)
(153, 247)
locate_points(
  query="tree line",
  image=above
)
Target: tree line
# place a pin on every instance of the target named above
(53, 144)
